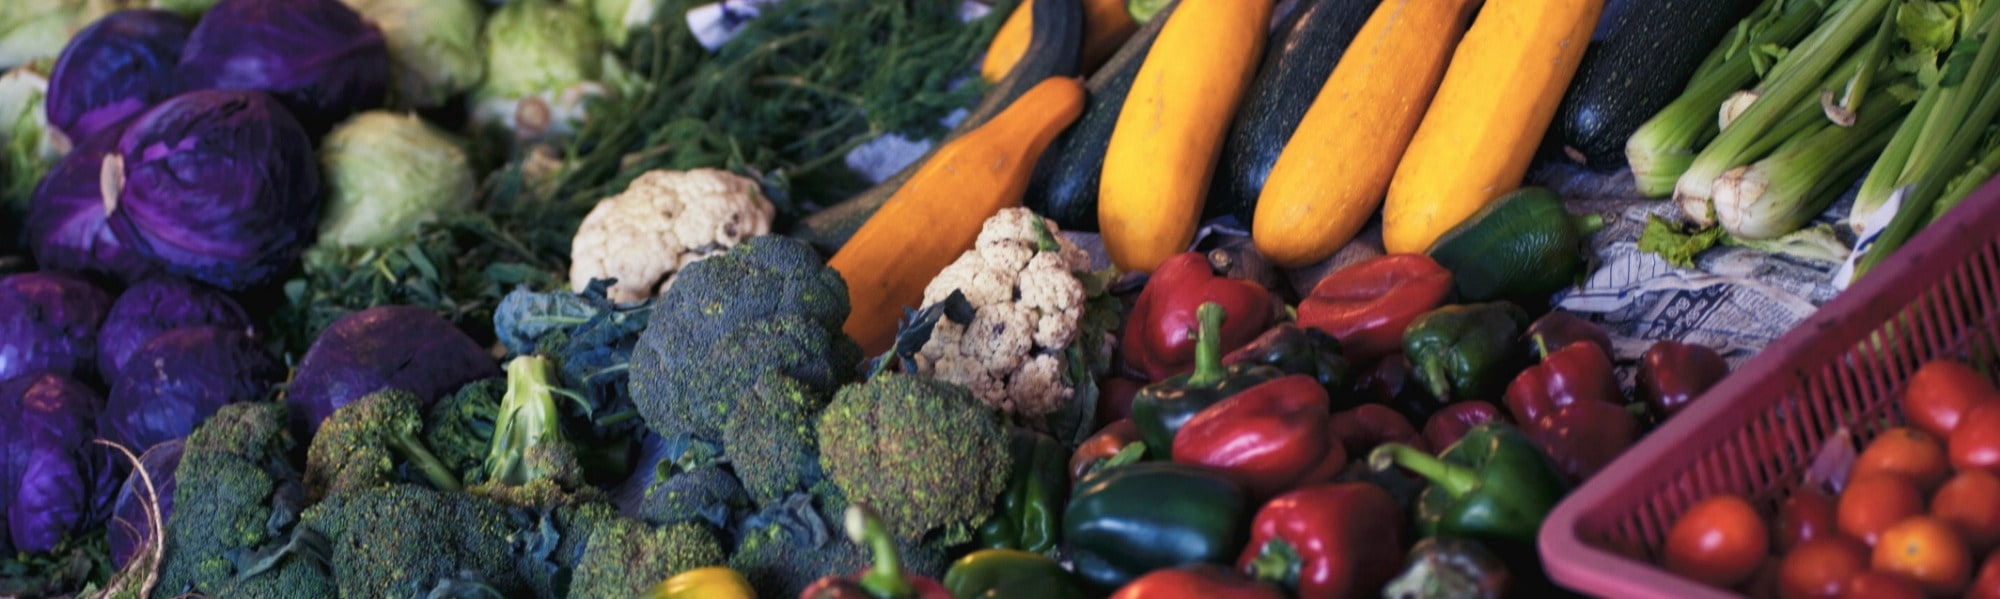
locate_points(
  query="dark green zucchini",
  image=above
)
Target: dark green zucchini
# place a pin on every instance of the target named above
(1643, 55)
(1055, 49)
(1298, 59)
(1064, 185)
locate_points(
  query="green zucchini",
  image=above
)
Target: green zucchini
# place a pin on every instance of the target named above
(1644, 53)
(1297, 62)
(1064, 185)
(1055, 49)
(1522, 247)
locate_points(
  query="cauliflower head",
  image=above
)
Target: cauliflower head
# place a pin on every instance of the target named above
(663, 222)
(1022, 278)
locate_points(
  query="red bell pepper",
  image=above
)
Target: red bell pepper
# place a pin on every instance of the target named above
(1580, 438)
(1114, 399)
(1450, 423)
(1159, 333)
(1196, 581)
(1672, 374)
(1369, 425)
(1271, 438)
(1327, 541)
(886, 580)
(1368, 304)
(1579, 372)
(1558, 329)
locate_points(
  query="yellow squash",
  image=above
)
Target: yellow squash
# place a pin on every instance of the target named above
(1330, 177)
(1487, 120)
(1163, 149)
(937, 215)
(1105, 27)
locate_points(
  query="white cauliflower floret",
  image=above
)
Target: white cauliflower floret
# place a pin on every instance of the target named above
(664, 221)
(1029, 307)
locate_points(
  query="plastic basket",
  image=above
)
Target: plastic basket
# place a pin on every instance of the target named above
(1756, 433)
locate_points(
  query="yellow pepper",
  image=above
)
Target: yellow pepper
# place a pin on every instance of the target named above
(715, 582)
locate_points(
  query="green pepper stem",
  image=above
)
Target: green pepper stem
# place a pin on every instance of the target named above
(884, 580)
(1208, 370)
(1435, 380)
(1588, 223)
(1541, 347)
(1277, 563)
(1454, 479)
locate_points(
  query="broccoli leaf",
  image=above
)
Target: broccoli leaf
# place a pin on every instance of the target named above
(1679, 248)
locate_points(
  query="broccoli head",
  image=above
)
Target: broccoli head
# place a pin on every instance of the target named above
(459, 427)
(608, 555)
(771, 438)
(361, 444)
(921, 452)
(768, 305)
(787, 547)
(706, 494)
(409, 541)
(236, 503)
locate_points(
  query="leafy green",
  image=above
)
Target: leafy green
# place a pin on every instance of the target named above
(1678, 247)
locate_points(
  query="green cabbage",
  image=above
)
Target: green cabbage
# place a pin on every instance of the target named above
(191, 9)
(617, 18)
(31, 29)
(544, 67)
(27, 145)
(386, 173)
(433, 46)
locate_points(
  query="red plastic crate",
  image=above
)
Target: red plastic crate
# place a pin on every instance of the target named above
(1756, 433)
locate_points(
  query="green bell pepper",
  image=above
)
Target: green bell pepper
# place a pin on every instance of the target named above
(1466, 351)
(1008, 573)
(1161, 408)
(1028, 516)
(1126, 521)
(1492, 485)
(1523, 247)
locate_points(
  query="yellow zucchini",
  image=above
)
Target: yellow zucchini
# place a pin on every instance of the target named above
(1486, 123)
(1163, 149)
(1330, 177)
(1105, 27)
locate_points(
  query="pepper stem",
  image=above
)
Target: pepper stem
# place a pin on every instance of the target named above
(1454, 479)
(885, 580)
(1541, 346)
(1435, 380)
(1587, 223)
(1277, 563)
(1208, 370)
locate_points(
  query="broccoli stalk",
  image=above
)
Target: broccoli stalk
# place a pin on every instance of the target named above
(357, 446)
(528, 440)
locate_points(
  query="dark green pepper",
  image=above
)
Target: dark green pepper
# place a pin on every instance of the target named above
(1161, 408)
(1523, 247)
(1451, 568)
(1028, 516)
(1007, 574)
(1293, 349)
(1492, 485)
(1466, 351)
(1126, 521)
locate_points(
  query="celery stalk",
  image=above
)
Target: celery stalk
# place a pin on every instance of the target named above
(1882, 176)
(1661, 150)
(1841, 107)
(1968, 182)
(1798, 75)
(1806, 115)
(1775, 196)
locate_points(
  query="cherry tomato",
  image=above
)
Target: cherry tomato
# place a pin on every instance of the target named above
(1820, 568)
(1925, 550)
(1975, 443)
(1941, 392)
(1806, 515)
(1987, 584)
(1719, 541)
(1872, 504)
(1881, 585)
(1970, 502)
(1905, 451)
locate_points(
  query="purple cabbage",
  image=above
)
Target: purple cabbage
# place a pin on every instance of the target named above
(158, 305)
(180, 377)
(217, 186)
(130, 530)
(48, 323)
(66, 481)
(115, 68)
(66, 225)
(318, 56)
(386, 347)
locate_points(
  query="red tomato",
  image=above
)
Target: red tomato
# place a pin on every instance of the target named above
(1975, 443)
(1970, 501)
(1872, 504)
(1941, 392)
(1719, 541)
(1881, 585)
(1806, 515)
(1820, 568)
(1904, 451)
(1925, 550)
(1987, 584)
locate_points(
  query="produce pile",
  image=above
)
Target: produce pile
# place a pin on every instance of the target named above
(587, 298)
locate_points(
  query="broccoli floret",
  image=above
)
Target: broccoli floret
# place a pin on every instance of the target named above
(459, 428)
(768, 305)
(707, 494)
(237, 500)
(789, 546)
(620, 557)
(407, 541)
(771, 438)
(921, 452)
(295, 579)
(361, 444)
(528, 440)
